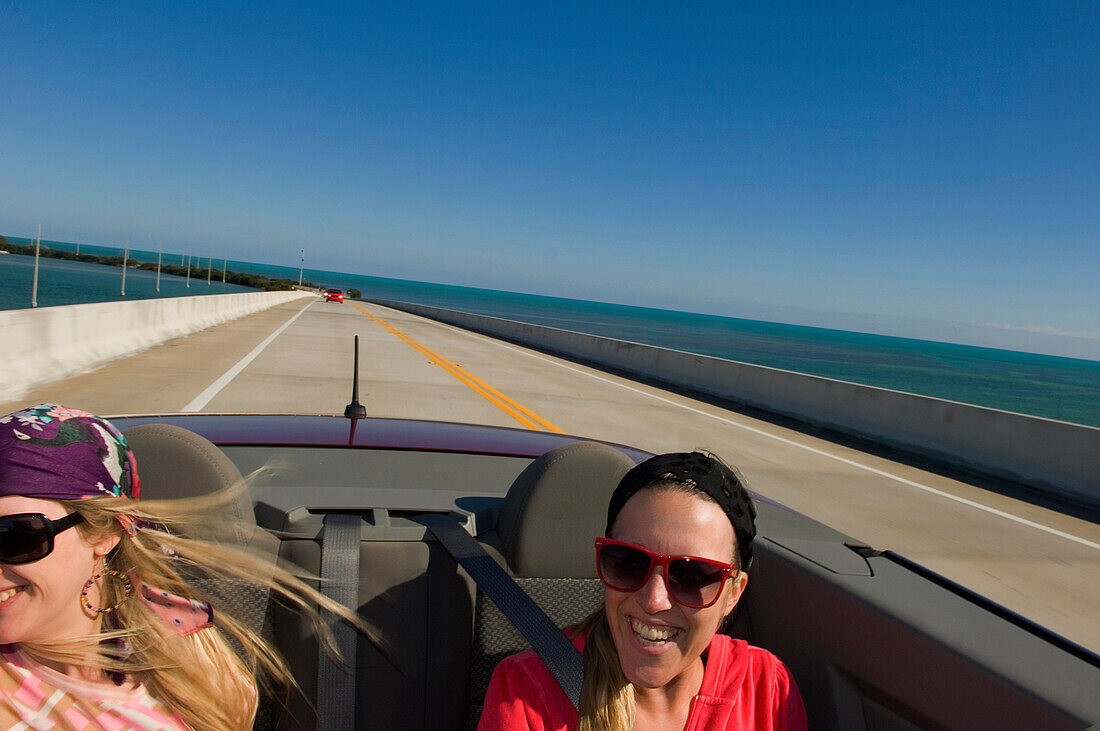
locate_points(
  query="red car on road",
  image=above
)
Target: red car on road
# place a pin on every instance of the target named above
(334, 295)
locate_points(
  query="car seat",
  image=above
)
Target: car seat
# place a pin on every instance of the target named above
(548, 523)
(175, 463)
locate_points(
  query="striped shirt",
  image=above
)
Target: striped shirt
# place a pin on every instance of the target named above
(36, 697)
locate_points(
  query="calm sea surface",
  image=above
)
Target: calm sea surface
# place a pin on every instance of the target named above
(1043, 385)
(62, 282)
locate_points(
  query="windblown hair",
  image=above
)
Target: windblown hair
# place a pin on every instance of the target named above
(200, 676)
(607, 697)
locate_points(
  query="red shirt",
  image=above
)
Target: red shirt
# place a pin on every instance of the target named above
(744, 687)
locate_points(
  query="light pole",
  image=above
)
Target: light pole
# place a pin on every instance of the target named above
(125, 257)
(300, 266)
(189, 270)
(34, 286)
(160, 250)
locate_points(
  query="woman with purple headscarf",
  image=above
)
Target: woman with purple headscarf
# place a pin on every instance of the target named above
(98, 626)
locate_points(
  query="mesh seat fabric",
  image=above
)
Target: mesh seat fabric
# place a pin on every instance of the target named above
(566, 601)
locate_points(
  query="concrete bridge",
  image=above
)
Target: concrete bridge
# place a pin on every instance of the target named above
(296, 357)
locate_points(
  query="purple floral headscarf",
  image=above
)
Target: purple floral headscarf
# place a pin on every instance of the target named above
(54, 453)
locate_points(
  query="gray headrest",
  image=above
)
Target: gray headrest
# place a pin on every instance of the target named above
(556, 508)
(175, 463)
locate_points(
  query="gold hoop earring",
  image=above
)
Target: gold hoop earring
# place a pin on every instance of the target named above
(127, 590)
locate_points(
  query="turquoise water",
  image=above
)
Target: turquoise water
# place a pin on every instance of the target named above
(1059, 388)
(62, 282)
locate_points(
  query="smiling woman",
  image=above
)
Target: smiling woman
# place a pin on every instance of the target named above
(674, 565)
(99, 624)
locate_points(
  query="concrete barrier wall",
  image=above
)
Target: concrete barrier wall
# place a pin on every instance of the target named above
(46, 344)
(1051, 454)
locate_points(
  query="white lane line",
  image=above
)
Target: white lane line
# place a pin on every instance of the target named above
(214, 388)
(724, 420)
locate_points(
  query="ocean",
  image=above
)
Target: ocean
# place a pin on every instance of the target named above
(62, 282)
(1067, 389)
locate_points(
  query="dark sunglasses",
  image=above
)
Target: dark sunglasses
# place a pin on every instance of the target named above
(27, 537)
(690, 580)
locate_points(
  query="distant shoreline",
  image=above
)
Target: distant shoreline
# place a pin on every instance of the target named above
(244, 279)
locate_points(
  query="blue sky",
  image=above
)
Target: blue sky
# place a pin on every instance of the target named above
(928, 170)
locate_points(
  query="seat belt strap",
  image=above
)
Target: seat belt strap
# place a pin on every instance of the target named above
(339, 582)
(562, 659)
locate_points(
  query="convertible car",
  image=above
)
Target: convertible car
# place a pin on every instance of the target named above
(874, 641)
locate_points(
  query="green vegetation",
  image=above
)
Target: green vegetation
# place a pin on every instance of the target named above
(256, 281)
(354, 294)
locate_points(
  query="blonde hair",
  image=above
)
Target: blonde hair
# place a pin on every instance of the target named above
(199, 676)
(607, 697)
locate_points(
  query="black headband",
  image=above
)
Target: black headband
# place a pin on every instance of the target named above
(709, 475)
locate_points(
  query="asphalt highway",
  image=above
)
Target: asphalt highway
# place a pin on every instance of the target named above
(297, 358)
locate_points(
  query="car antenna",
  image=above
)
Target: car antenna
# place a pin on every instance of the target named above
(355, 410)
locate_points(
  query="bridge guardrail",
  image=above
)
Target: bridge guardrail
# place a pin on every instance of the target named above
(1054, 455)
(46, 344)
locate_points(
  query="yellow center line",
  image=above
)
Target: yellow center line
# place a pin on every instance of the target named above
(520, 413)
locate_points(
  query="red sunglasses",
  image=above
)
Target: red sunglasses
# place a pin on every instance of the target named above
(690, 580)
